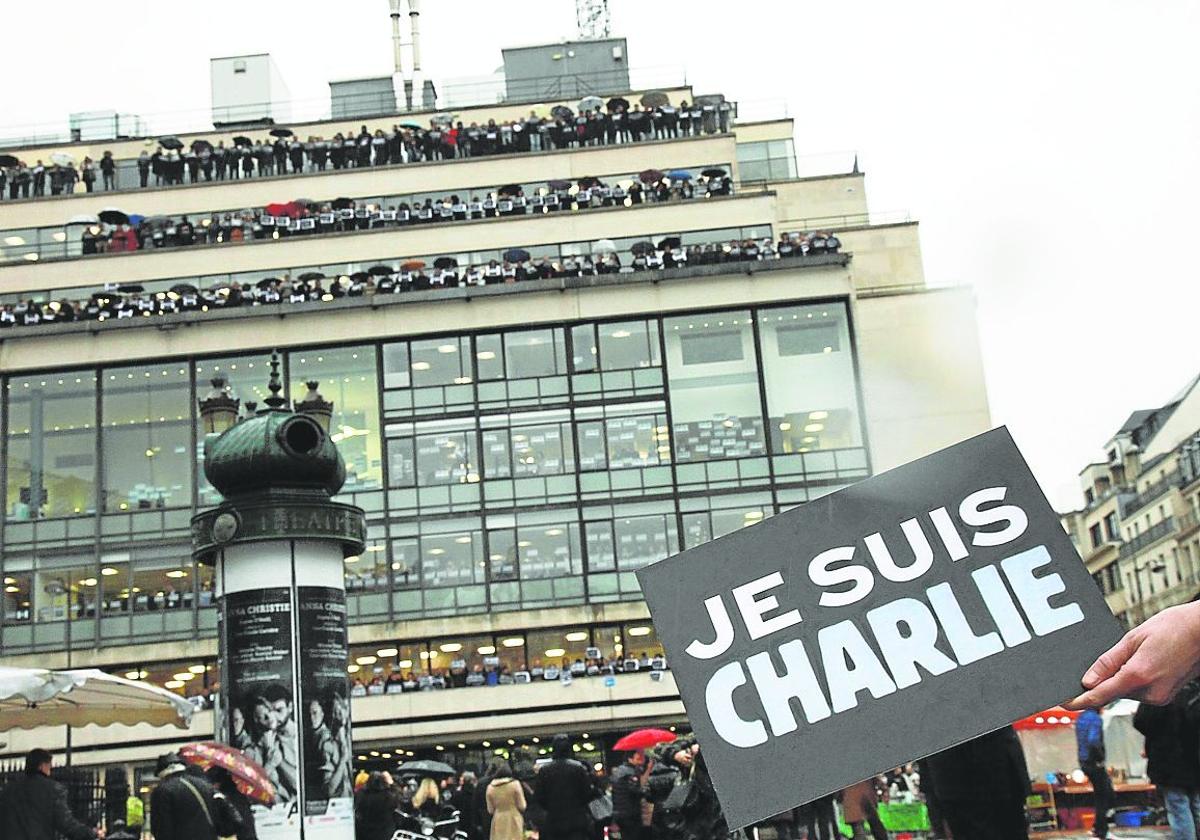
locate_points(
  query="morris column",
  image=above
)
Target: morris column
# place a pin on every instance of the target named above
(277, 543)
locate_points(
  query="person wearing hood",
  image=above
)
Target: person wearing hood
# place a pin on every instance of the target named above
(563, 789)
(185, 806)
(505, 800)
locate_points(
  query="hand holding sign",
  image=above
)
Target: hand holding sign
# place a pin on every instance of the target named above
(876, 625)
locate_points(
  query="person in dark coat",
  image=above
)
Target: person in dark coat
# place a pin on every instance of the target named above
(1089, 737)
(375, 809)
(1173, 756)
(982, 785)
(463, 800)
(628, 794)
(34, 807)
(563, 789)
(184, 806)
(222, 780)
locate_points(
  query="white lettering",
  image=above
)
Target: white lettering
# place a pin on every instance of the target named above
(1034, 593)
(753, 611)
(970, 513)
(723, 627)
(1000, 604)
(775, 691)
(841, 642)
(903, 652)
(948, 533)
(860, 576)
(967, 646)
(922, 553)
(718, 697)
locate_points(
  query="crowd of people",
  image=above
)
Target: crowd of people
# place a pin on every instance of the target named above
(516, 265)
(117, 232)
(444, 137)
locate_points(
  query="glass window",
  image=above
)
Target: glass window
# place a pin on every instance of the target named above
(559, 648)
(441, 361)
(432, 453)
(396, 370)
(16, 607)
(347, 378)
(51, 446)
(537, 443)
(64, 586)
(246, 378)
(751, 151)
(809, 374)
(521, 355)
(146, 441)
(628, 344)
(642, 642)
(453, 558)
(584, 350)
(623, 436)
(712, 372)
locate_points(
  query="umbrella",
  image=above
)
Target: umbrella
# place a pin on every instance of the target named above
(61, 158)
(643, 247)
(266, 282)
(281, 132)
(199, 146)
(312, 275)
(588, 182)
(242, 141)
(650, 176)
(382, 270)
(8, 160)
(136, 219)
(444, 118)
(131, 288)
(558, 184)
(655, 99)
(516, 255)
(362, 276)
(85, 219)
(561, 112)
(425, 767)
(341, 203)
(604, 246)
(509, 189)
(643, 738)
(170, 143)
(445, 262)
(669, 242)
(679, 175)
(709, 99)
(33, 697)
(713, 173)
(618, 103)
(249, 776)
(412, 126)
(412, 265)
(590, 103)
(113, 216)
(277, 209)
(184, 289)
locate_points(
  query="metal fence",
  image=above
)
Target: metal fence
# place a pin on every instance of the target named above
(85, 790)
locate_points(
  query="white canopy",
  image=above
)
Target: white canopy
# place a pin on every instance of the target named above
(33, 697)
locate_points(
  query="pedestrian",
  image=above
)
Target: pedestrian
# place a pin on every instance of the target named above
(34, 807)
(427, 800)
(184, 806)
(463, 801)
(563, 789)
(1172, 760)
(818, 818)
(39, 178)
(505, 800)
(860, 809)
(143, 168)
(108, 170)
(628, 794)
(222, 780)
(375, 809)
(1089, 738)
(982, 785)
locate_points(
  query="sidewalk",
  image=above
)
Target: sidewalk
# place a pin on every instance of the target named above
(1114, 834)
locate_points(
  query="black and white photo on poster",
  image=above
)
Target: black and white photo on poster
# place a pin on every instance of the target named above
(260, 702)
(324, 699)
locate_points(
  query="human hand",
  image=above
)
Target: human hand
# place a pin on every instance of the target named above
(100, 833)
(1151, 663)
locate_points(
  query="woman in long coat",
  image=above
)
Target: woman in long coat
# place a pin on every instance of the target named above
(506, 804)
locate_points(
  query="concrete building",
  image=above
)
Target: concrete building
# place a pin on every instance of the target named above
(1139, 530)
(519, 449)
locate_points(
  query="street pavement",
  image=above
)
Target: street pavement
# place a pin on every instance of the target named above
(1114, 834)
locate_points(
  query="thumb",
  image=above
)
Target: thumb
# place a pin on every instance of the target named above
(1111, 661)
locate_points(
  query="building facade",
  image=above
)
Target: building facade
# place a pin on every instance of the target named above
(520, 449)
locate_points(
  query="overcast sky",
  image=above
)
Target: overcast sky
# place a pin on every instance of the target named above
(1049, 149)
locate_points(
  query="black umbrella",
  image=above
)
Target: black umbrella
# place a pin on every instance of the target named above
(558, 184)
(266, 282)
(341, 203)
(668, 243)
(184, 289)
(8, 160)
(312, 275)
(618, 103)
(171, 143)
(242, 141)
(509, 189)
(380, 270)
(412, 126)
(655, 99)
(643, 247)
(113, 216)
(101, 295)
(362, 276)
(516, 255)
(650, 176)
(713, 173)
(425, 767)
(130, 288)
(199, 146)
(445, 262)
(561, 112)
(281, 132)
(588, 182)
(709, 99)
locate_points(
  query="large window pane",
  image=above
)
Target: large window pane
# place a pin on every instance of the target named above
(347, 378)
(809, 373)
(432, 453)
(51, 446)
(628, 344)
(712, 372)
(146, 441)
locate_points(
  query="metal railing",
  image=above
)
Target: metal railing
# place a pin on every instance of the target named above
(1148, 537)
(1158, 488)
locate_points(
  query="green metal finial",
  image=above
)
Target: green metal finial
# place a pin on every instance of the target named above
(275, 385)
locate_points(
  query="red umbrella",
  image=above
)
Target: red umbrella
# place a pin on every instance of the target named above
(249, 776)
(643, 738)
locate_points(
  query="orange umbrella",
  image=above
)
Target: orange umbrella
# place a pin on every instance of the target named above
(412, 265)
(249, 776)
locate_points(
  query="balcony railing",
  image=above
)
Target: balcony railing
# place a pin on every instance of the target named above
(1149, 537)
(1158, 488)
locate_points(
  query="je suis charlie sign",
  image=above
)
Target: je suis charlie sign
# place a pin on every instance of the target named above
(876, 625)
